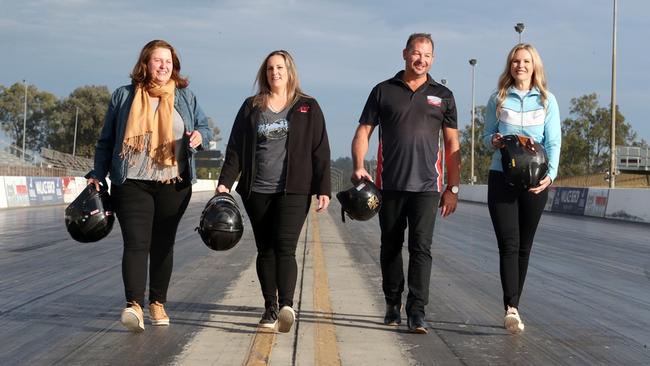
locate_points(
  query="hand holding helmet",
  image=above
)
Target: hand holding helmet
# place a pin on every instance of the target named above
(89, 218)
(524, 161)
(221, 226)
(361, 202)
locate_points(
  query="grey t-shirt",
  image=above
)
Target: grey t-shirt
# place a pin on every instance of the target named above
(144, 169)
(271, 151)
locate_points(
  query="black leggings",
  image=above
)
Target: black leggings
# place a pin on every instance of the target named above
(149, 213)
(277, 220)
(515, 214)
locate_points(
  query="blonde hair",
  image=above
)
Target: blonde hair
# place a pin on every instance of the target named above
(538, 80)
(264, 89)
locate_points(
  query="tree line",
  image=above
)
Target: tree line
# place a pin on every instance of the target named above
(51, 121)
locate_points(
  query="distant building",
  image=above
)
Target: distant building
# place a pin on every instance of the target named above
(632, 159)
(209, 159)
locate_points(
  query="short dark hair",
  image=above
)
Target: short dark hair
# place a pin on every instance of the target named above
(418, 36)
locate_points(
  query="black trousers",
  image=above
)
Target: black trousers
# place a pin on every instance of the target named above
(417, 210)
(149, 213)
(277, 220)
(515, 215)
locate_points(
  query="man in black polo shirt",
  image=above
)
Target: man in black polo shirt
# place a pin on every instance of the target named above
(410, 109)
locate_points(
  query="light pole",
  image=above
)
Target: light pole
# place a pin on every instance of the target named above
(519, 27)
(74, 140)
(24, 119)
(612, 141)
(441, 143)
(472, 62)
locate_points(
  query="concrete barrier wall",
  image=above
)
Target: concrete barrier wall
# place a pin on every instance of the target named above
(39, 191)
(629, 205)
(620, 203)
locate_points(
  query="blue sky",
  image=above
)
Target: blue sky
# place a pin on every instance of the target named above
(342, 48)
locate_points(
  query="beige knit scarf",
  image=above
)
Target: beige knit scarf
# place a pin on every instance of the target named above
(151, 131)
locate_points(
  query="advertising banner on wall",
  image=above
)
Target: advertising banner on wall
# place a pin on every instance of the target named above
(570, 200)
(45, 190)
(596, 202)
(551, 197)
(16, 191)
(69, 189)
(3, 194)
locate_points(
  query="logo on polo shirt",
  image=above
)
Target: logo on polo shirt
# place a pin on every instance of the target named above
(434, 101)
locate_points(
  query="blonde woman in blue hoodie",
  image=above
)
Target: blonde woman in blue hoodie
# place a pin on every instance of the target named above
(522, 105)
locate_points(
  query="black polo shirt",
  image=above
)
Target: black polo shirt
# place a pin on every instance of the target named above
(409, 126)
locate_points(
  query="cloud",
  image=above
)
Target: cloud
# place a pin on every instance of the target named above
(342, 48)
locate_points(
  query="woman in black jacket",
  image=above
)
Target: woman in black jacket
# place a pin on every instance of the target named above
(279, 145)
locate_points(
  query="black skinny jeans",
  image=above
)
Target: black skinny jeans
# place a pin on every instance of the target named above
(515, 215)
(277, 220)
(418, 210)
(149, 213)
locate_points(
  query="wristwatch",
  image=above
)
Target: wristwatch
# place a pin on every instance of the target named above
(453, 189)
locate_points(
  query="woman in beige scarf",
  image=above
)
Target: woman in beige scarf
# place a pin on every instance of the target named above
(151, 132)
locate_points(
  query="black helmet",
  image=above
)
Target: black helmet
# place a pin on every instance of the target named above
(360, 202)
(525, 162)
(90, 217)
(221, 224)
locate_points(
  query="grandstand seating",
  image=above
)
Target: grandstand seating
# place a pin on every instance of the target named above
(7, 158)
(57, 159)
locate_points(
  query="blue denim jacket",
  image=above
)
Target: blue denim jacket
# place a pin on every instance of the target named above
(109, 145)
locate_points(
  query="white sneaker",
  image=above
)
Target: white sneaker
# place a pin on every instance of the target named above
(286, 318)
(512, 321)
(132, 317)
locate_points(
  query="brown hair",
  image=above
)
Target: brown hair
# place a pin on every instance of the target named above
(263, 87)
(140, 76)
(418, 37)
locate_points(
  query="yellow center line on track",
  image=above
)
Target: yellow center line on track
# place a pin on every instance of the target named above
(326, 350)
(259, 352)
(325, 336)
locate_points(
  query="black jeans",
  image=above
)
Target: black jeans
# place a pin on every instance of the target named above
(277, 220)
(149, 213)
(418, 211)
(515, 215)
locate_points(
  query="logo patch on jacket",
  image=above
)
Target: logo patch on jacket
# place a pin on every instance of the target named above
(303, 108)
(434, 101)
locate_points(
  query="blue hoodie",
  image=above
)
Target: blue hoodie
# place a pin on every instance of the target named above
(527, 117)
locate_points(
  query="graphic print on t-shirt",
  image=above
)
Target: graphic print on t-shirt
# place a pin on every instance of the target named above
(276, 130)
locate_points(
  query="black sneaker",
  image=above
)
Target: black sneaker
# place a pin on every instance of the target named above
(270, 317)
(417, 324)
(393, 316)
